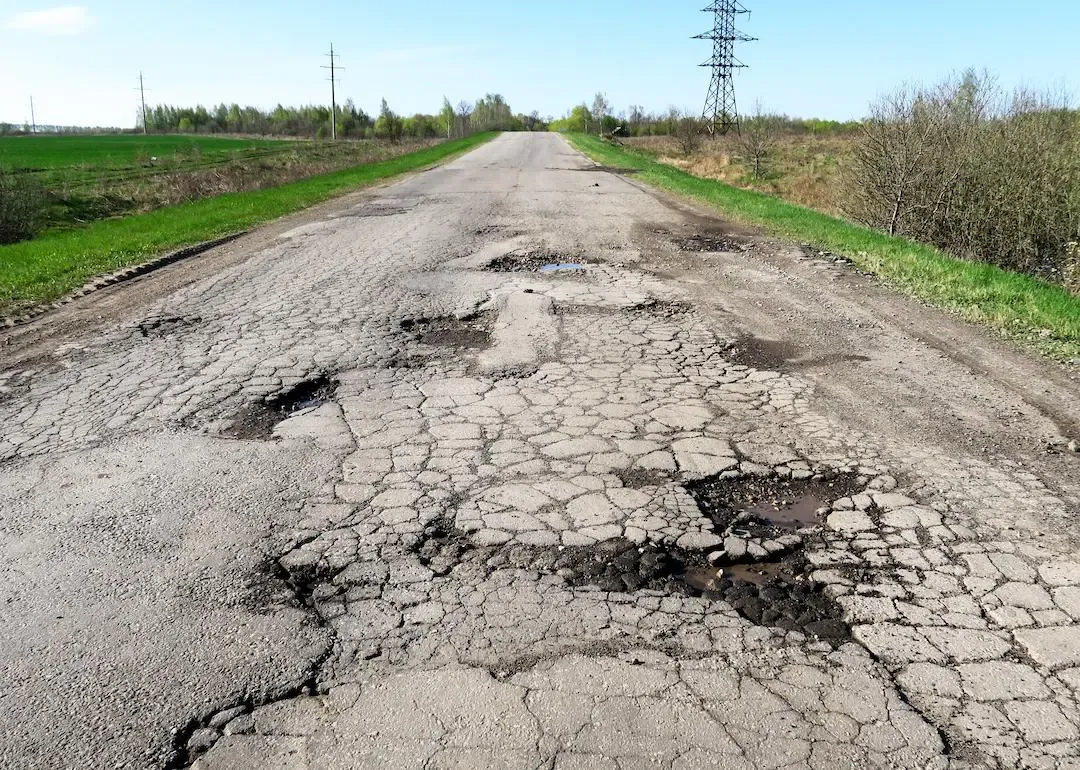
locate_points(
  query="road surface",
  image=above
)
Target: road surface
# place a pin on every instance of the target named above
(378, 487)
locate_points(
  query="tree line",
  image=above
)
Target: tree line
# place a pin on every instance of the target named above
(636, 121)
(489, 113)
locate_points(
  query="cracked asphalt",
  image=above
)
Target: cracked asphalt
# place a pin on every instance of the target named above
(375, 488)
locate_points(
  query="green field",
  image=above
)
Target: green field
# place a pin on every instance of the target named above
(52, 265)
(55, 153)
(1040, 314)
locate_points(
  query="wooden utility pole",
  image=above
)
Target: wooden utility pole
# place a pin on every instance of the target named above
(333, 92)
(33, 119)
(142, 99)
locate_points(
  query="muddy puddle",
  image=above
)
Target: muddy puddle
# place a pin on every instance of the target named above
(257, 421)
(771, 503)
(472, 332)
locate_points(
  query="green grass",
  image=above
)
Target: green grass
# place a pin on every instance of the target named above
(1040, 314)
(50, 266)
(56, 152)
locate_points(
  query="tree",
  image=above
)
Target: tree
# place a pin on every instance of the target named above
(686, 129)
(388, 125)
(446, 116)
(757, 137)
(464, 115)
(185, 126)
(600, 108)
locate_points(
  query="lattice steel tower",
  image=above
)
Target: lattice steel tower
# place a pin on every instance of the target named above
(721, 113)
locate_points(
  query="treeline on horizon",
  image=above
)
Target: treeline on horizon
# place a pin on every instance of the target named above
(637, 122)
(490, 113)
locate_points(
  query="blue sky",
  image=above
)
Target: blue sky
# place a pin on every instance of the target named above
(827, 58)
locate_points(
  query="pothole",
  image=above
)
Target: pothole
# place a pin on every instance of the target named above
(760, 571)
(533, 262)
(756, 353)
(161, 326)
(471, 332)
(711, 242)
(256, 421)
(769, 504)
(642, 478)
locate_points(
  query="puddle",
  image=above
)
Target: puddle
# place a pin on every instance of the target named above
(769, 505)
(256, 421)
(554, 268)
(162, 326)
(468, 333)
(532, 262)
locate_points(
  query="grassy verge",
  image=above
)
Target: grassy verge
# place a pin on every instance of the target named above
(48, 267)
(1043, 315)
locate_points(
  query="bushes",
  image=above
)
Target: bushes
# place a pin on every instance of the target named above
(22, 207)
(984, 175)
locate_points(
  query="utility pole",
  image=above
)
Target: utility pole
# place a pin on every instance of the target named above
(142, 99)
(333, 91)
(33, 119)
(721, 113)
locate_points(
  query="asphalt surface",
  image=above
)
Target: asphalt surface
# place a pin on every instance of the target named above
(377, 487)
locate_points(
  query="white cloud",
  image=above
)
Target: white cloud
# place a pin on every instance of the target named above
(64, 20)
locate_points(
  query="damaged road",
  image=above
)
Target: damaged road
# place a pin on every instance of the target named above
(507, 465)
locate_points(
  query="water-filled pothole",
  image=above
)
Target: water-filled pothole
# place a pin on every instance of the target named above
(472, 332)
(256, 421)
(769, 503)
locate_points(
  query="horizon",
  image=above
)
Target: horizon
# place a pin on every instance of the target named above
(414, 56)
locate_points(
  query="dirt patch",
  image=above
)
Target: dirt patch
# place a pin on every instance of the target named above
(256, 421)
(610, 170)
(532, 262)
(472, 332)
(756, 353)
(780, 356)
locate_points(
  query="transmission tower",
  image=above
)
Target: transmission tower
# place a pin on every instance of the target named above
(721, 113)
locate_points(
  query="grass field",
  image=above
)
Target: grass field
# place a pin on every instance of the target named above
(1045, 316)
(89, 178)
(114, 151)
(50, 266)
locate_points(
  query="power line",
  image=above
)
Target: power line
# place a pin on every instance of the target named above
(721, 113)
(333, 91)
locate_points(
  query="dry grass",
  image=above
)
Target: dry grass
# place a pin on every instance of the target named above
(805, 170)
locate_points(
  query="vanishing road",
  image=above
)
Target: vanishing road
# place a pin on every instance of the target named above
(376, 487)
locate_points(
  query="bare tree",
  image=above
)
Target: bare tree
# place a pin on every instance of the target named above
(687, 131)
(464, 111)
(757, 138)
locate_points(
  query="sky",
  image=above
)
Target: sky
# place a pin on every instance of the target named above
(828, 58)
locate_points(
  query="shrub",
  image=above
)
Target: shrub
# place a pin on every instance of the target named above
(22, 207)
